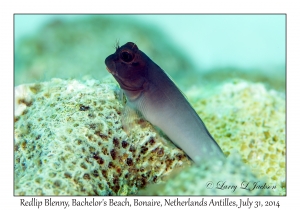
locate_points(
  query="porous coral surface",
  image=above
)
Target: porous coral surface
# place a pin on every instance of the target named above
(248, 119)
(69, 141)
(213, 177)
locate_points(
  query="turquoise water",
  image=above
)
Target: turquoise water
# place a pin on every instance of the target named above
(67, 46)
(210, 40)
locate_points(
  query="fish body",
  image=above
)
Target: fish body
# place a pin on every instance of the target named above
(150, 91)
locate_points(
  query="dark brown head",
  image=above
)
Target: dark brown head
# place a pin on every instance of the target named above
(129, 67)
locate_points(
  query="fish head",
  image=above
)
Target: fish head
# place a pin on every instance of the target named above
(128, 65)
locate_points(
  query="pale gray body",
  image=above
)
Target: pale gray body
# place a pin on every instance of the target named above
(162, 104)
(157, 98)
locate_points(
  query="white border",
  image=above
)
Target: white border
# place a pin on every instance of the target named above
(254, 6)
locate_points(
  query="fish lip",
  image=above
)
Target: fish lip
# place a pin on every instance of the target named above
(110, 71)
(124, 86)
(110, 66)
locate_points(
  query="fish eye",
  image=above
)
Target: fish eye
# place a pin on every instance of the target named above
(126, 56)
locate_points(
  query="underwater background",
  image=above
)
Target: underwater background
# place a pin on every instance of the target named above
(229, 44)
(231, 68)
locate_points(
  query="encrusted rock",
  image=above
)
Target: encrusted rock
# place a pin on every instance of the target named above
(228, 177)
(69, 141)
(248, 119)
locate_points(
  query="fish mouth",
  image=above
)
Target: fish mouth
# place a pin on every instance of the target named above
(110, 65)
(125, 86)
(110, 71)
(119, 80)
(113, 72)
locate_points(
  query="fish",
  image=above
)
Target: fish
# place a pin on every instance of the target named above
(151, 92)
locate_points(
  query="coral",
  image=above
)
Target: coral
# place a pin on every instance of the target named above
(69, 141)
(22, 99)
(204, 179)
(247, 118)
